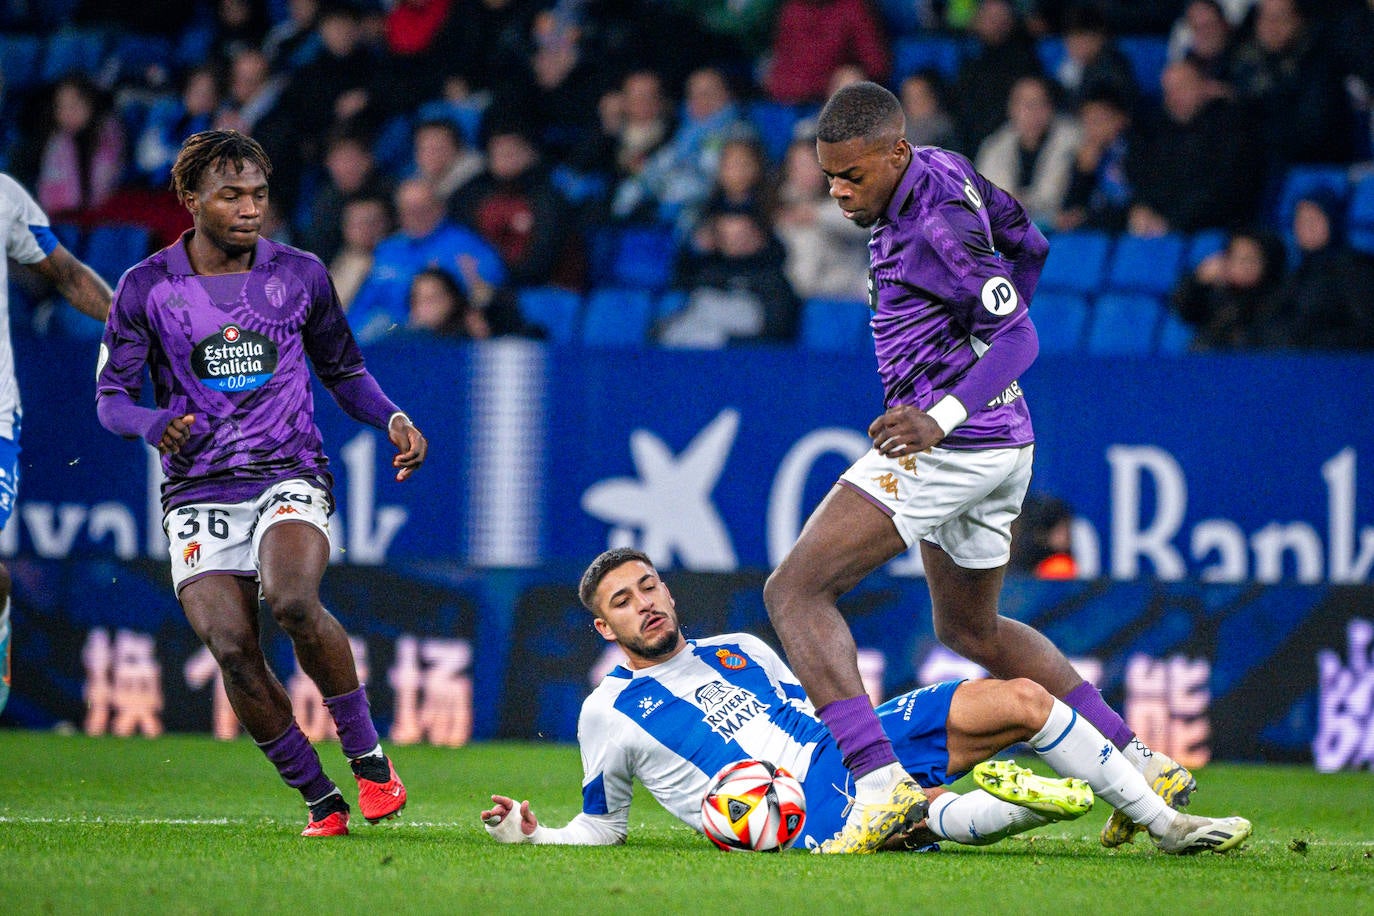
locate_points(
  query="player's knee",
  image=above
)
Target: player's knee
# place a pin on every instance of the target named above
(1031, 701)
(294, 612)
(238, 656)
(960, 638)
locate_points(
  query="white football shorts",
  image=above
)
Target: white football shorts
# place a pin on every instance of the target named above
(963, 501)
(209, 538)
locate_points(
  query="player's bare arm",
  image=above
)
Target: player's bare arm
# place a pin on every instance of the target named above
(82, 286)
(411, 446)
(904, 430)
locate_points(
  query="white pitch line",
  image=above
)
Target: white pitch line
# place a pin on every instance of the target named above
(195, 821)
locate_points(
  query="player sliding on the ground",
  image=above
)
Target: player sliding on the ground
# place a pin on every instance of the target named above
(681, 709)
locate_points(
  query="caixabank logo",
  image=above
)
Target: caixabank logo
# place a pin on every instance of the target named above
(235, 359)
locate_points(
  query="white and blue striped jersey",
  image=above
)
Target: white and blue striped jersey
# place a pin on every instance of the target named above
(28, 239)
(672, 726)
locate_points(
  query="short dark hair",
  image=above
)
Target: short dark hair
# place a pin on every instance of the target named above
(864, 110)
(602, 566)
(211, 150)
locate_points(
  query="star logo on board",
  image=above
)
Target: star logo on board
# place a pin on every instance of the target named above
(666, 510)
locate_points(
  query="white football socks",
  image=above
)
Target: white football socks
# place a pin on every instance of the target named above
(877, 785)
(1073, 747)
(978, 819)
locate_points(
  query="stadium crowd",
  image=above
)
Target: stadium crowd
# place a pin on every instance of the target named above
(537, 153)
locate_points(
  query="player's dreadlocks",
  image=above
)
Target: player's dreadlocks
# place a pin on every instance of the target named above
(609, 560)
(210, 150)
(859, 110)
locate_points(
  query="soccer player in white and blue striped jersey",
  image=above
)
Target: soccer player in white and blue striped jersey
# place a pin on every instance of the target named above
(30, 241)
(680, 709)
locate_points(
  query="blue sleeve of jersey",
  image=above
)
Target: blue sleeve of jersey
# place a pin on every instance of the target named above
(43, 235)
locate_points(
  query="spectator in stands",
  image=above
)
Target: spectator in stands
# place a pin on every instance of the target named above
(1100, 190)
(252, 93)
(1092, 63)
(1042, 538)
(76, 160)
(679, 174)
(1031, 156)
(737, 288)
(1287, 79)
(350, 170)
(826, 254)
(515, 207)
(928, 121)
(364, 221)
(482, 41)
(336, 89)
(1004, 53)
(1324, 303)
(1123, 17)
(170, 121)
(635, 122)
(1205, 37)
(811, 38)
(741, 28)
(444, 159)
(439, 305)
(558, 83)
(1231, 297)
(237, 24)
(1196, 168)
(293, 42)
(425, 239)
(742, 183)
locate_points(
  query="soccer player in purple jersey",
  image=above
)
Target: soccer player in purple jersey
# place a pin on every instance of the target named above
(954, 262)
(229, 323)
(29, 240)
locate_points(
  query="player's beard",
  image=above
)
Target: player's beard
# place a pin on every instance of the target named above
(655, 646)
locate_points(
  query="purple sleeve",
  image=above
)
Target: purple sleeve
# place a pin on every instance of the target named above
(959, 265)
(338, 361)
(119, 414)
(362, 399)
(1016, 237)
(1010, 355)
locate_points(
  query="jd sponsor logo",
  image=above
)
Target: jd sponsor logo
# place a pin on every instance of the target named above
(235, 359)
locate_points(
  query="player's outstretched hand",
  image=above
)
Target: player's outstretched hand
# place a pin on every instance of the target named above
(503, 827)
(411, 446)
(904, 430)
(176, 434)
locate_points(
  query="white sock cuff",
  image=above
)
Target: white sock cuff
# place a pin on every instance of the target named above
(1060, 722)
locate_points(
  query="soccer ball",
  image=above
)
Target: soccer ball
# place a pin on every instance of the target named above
(753, 806)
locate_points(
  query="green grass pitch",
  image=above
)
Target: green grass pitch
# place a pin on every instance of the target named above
(189, 825)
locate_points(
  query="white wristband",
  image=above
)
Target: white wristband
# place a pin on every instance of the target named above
(948, 413)
(399, 413)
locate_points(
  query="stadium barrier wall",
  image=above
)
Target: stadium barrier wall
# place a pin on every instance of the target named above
(1202, 671)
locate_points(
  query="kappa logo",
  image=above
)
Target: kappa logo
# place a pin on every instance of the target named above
(887, 483)
(999, 296)
(190, 554)
(286, 510)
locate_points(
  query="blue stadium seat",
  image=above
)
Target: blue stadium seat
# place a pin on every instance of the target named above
(1060, 318)
(554, 308)
(774, 122)
(1361, 216)
(134, 53)
(618, 317)
(914, 53)
(670, 303)
(20, 61)
(1304, 179)
(902, 16)
(835, 326)
(1050, 50)
(1123, 324)
(1204, 243)
(1146, 265)
(1077, 262)
(1148, 54)
(113, 248)
(72, 51)
(1175, 335)
(643, 257)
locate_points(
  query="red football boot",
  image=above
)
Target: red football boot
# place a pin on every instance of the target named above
(328, 818)
(381, 797)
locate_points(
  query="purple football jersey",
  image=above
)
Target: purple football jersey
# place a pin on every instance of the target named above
(231, 349)
(944, 283)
